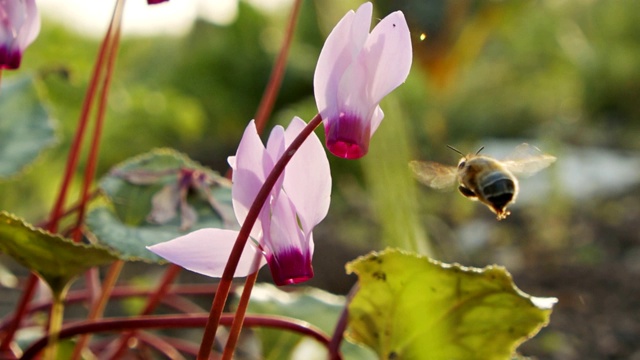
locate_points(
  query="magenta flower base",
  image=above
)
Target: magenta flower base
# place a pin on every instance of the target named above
(290, 266)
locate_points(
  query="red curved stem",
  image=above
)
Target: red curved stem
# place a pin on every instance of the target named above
(74, 152)
(20, 312)
(176, 322)
(92, 161)
(170, 275)
(122, 292)
(241, 310)
(341, 326)
(275, 80)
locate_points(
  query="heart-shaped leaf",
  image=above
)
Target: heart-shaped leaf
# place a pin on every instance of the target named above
(25, 127)
(57, 260)
(412, 307)
(146, 207)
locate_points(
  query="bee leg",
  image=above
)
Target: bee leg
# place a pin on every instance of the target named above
(467, 192)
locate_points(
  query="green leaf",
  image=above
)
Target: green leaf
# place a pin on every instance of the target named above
(314, 306)
(25, 127)
(57, 260)
(412, 307)
(123, 225)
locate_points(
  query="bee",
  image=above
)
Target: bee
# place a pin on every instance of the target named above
(484, 178)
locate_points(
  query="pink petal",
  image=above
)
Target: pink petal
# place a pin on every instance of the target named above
(307, 180)
(31, 29)
(206, 252)
(341, 47)
(285, 231)
(387, 55)
(275, 148)
(19, 26)
(248, 174)
(231, 160)
(275, 145)
(287, 249)
(376, 119)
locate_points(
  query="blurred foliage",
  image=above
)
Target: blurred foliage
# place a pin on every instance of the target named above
(23, 134)
(145, 207)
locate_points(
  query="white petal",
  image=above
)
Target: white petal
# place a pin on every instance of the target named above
(206, 252)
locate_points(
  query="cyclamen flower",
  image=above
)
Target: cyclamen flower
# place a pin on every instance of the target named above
(355, 70)
(282, 234)
(153, 2)
(19, 26)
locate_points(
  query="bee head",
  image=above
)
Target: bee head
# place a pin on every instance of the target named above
(463, 161)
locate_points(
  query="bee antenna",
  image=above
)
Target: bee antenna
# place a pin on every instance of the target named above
(481, 148)
(454, 149)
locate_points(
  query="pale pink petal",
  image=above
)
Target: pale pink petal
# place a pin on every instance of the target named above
(284, 232)
(275, 145)
(19, 26)
(360, 27)
(248, 175)
(286, 248)
(31, 28)
(206, 252)
(231, 160)
(387, 55)
(351, 79)
(338, 53)
(275, 149)
(307, 180)
(376, 119)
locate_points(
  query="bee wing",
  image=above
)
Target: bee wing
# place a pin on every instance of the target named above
(527, 160)
(432, 174)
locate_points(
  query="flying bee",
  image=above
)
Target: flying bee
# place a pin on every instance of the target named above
(484, 178)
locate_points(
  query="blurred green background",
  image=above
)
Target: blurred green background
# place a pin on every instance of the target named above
(562, 75)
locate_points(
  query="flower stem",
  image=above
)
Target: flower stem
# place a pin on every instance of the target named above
(174, 300)
(275, 80)
(341, 326)
(227, 276)
(92, 161)
(72, 162)
(153, 301)
(21, 311)
(55, 323)
(98, 308)
(238, 318)
(175, 322)
(74, 152)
